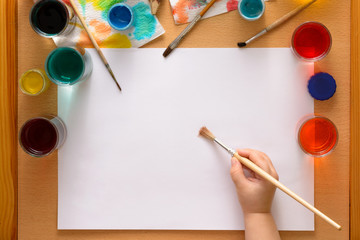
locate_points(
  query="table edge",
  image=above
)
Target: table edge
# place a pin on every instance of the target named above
(8, 120)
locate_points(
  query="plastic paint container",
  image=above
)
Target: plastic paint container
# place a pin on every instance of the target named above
(34, 82)
(311, 41)
(251, 9)
(120, 16)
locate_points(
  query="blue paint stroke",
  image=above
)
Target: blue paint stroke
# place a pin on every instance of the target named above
(144, 21)
(83, 6)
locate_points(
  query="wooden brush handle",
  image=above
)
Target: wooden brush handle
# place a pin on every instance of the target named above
(207, 7)
(92, 39)
(282, 187)
(289, 15)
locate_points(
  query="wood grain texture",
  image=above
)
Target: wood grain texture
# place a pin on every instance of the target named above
(355, 123)
(8, 128)
(37, 178)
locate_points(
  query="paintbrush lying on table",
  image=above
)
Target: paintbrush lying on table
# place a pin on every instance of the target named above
(177, 40)
(252, 166)
(92, 39)
(277, 23)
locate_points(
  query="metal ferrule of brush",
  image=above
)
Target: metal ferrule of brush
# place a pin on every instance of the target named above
(231, 151)
(256, 36)
(184, 32)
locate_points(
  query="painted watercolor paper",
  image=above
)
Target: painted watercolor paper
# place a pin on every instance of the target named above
(134, 160)
(185, 10)
(146, 26)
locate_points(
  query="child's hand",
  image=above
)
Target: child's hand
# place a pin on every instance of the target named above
(255, 194)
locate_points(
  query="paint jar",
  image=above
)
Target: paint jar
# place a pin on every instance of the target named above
(251, 9)
(322, 86)
(66, 66)
(120, 16)
(317, 135)
(311, 41)
(52, 18)
(34, 82)
(41, 136)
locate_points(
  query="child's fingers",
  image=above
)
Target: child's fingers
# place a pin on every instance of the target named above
(237, 173)
(272, 168)
(257, 157)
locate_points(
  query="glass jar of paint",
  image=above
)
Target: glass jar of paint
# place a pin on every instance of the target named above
(41, 136)
(52, 18)
(311, 41)
(66, 66)
(34, 82)
(251, 9)
(120, 16)
(317, 136)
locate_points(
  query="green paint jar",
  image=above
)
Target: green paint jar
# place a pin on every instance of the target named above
(66, 66)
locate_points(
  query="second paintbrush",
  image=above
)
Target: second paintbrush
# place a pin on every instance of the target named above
(278, 22)
(177, 40)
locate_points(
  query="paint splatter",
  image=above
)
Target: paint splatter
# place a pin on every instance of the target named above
(194, 4)
(144, 21)
(145, 27)
(82, 3)
(84, 40)
(116, 40)
(83, 6)
(184, 11)
(183, 6)
(232, 5)
(102, 29)
(180, 10)
(103, 5)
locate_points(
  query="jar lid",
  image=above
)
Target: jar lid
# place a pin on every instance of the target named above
(322, 86)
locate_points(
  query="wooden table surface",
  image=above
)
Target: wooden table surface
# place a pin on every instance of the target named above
(28, 186)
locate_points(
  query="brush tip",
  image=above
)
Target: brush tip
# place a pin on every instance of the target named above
(241, 44)
(206, 133)
(167, 52)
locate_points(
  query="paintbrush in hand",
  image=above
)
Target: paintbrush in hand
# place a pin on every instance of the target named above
(177, 40)
(94, 43)
(277, 23)
(246, 162)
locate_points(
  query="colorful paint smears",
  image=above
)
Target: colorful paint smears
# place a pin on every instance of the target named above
(146, 27)
(185, 10)
(144, 21)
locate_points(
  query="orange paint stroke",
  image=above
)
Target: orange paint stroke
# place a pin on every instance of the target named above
(180, 10)
(85, 42)
(183, 6)
(102, 30)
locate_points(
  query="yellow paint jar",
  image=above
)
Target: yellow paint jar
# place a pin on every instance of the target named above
(33, 82)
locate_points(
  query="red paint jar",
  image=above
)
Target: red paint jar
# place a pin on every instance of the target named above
(311, 41)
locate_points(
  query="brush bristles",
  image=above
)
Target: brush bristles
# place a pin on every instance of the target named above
(241, 44)
(206, 133)
(167, 51)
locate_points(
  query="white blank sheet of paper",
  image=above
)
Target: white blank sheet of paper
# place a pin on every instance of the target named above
(133, 159)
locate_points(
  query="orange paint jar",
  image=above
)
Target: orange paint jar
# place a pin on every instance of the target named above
(317, 136)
